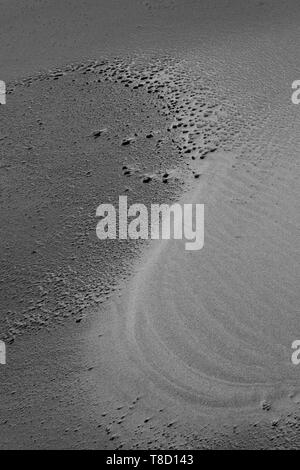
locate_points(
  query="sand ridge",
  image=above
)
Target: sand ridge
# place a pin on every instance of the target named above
(225, 341)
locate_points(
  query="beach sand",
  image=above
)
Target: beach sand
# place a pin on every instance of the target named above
(124, 345)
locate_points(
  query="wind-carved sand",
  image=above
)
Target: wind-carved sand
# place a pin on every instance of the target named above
(211, 331)
(195, 351)
(196, 343)
(214, 328)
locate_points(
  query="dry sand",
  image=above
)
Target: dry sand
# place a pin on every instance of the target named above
(110, 348)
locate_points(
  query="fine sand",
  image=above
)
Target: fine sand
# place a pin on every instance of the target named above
(124, 345)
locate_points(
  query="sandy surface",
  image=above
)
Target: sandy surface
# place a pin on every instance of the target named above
(62, 156)
(111, 347)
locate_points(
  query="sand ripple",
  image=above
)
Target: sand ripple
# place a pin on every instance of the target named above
(215, 327)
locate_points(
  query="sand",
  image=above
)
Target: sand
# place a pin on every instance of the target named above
(150, 346)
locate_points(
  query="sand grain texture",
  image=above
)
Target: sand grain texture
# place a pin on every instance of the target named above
(152, 346)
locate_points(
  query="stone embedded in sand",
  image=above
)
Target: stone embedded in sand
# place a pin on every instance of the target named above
(98, 133)
(127, 141)
(147, 179)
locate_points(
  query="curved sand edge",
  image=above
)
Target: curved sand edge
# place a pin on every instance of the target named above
(214, 328)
